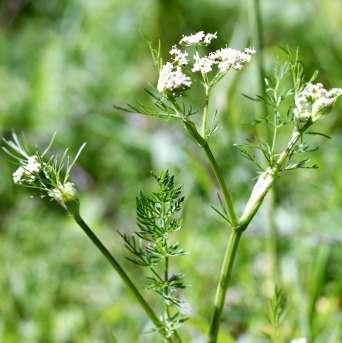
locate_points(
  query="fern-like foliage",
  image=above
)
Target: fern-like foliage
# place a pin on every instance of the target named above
(159, 216)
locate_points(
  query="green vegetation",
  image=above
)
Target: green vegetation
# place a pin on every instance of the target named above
(64, 64)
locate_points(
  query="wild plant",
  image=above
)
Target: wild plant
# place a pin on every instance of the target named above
(294, 103)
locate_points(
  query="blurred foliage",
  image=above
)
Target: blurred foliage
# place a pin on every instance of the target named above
(63, 64)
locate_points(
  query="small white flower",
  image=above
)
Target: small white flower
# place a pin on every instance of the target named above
(198, 38)
(172, 80)
(209, 37)
(193, 39)
(28, 171)
(18, 175)
(180, 57)
(314, 101)
(299, 340)
(32, 165)
(203, 64)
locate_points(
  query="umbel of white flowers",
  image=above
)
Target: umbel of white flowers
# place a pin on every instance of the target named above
(314, 101)
(175, 75)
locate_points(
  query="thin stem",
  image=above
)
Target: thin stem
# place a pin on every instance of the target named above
(226, 195)
(190, 126)
(225, 278)
(205, 111)
(119, 269)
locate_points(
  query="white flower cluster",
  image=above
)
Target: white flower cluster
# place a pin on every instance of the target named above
(63, 192)
(198, 38)
(27, 173)
(203, 64)
(227, 58)
(173, 80)
(179, 57)
(314, 101)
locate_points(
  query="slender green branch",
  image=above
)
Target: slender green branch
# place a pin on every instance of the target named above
(225, 277)
(205, 111)
(119, 269)
(190, 126)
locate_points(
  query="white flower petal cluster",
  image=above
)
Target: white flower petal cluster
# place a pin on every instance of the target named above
(227, 58)
(202, 64)
(198, 38)
(299, 340)
(172, 80)
(179, 57)
(27, 173)
(64, 192)
(314, 101)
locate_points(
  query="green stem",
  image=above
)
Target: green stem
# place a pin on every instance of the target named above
(119, 269)
(190, 126)
(233, 243)
(225, 278)
(205, 111)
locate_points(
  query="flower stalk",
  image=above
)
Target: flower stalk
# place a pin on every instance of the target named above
(115, 264)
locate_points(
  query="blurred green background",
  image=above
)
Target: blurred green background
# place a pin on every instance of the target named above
(63, 64)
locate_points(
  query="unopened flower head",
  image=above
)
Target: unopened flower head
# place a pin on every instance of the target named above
(63, 193)
(198, 38)
(179, 57)
(28, 171)
(172, 80)
(48, 176)
(314, 101)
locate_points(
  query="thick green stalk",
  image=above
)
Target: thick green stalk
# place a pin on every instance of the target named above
(122, 273)
(225, 277)
(266, 180)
